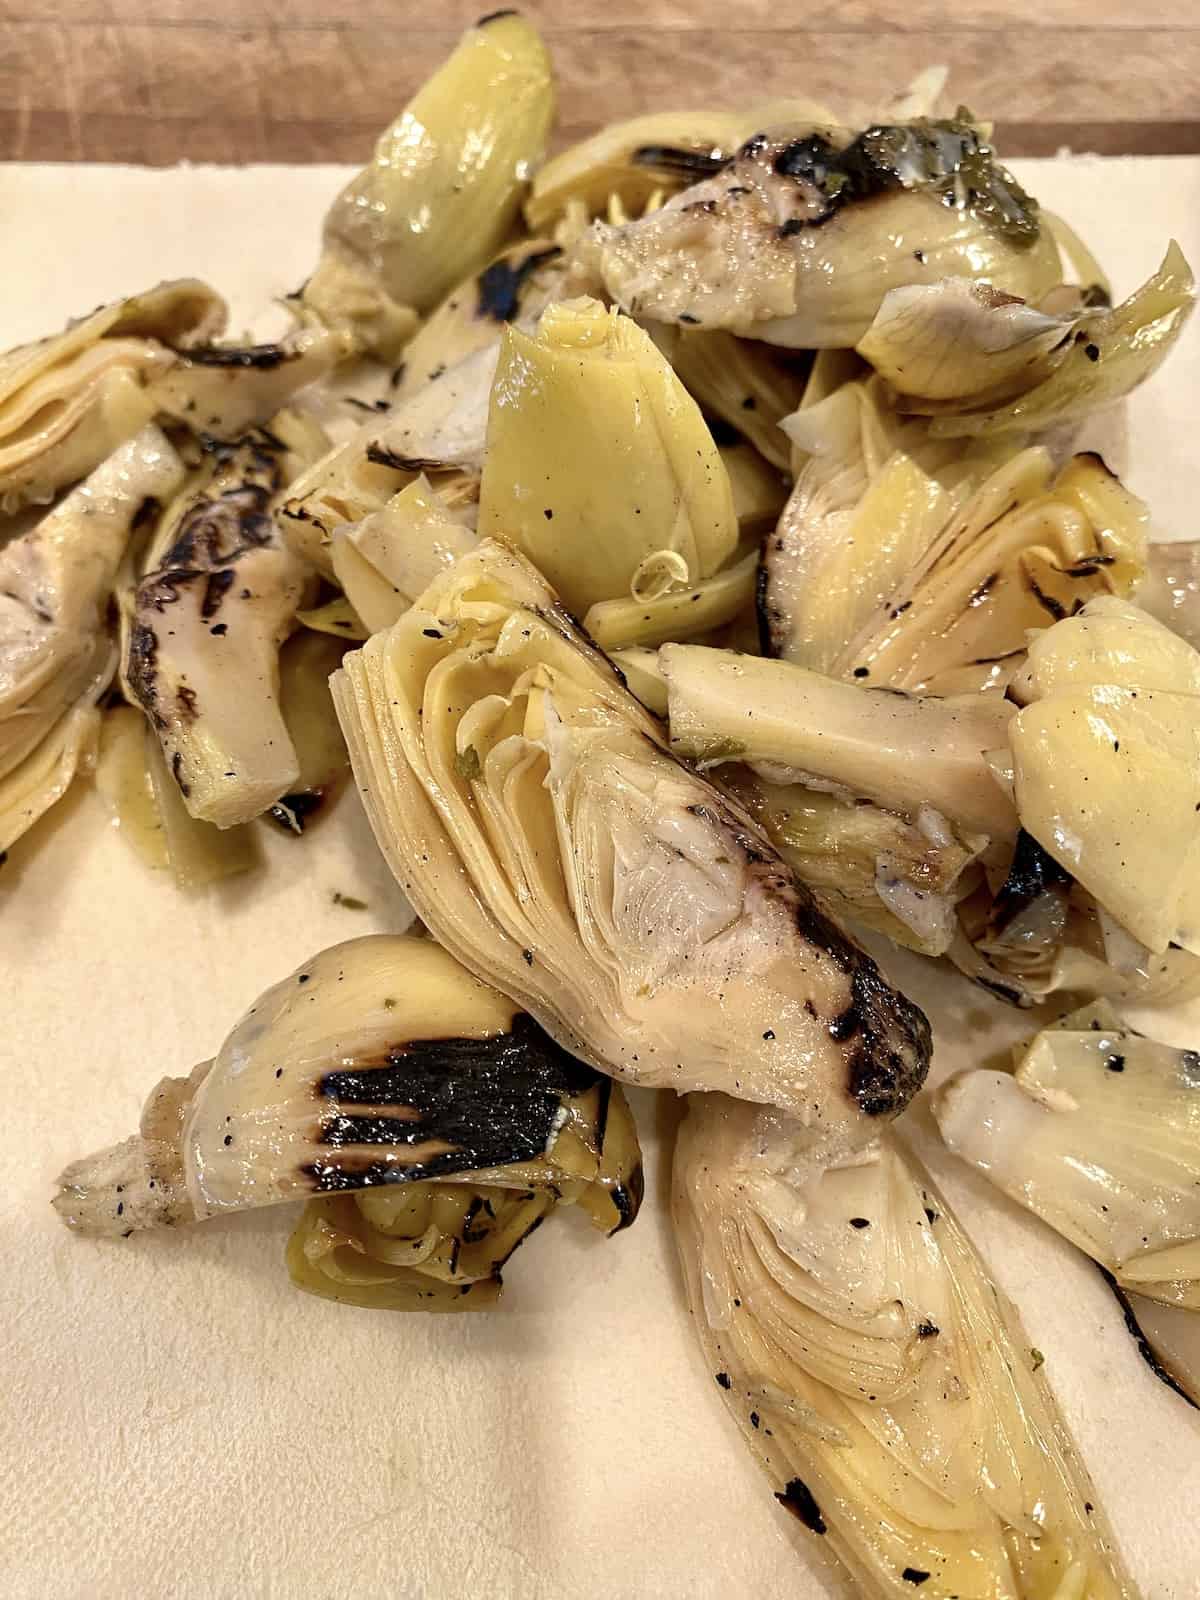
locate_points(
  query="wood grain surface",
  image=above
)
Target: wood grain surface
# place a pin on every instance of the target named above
(315, 80)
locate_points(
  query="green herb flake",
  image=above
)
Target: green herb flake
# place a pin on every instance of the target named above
(348, 901)
(1037, 1358)
(467, 763)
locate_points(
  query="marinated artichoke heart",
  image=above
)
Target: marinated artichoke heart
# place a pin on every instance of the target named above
(1097, 1131)
(875, 1371)
(208, 621)
(901, 751)
(529, 808)
(389, 558)
(868, 865)
(443, 189)
(440, 429)
(780, 244)
(516, 287)
(1101, 356)
(56, 659)
(634, 164)
(379, 1062)
(68, 401)
(1105, 754)
(899, 567)
(600, 467)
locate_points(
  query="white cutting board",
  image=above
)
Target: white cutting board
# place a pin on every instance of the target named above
(178, 1423)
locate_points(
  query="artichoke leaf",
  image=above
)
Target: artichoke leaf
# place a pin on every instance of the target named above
(389, 558)
(527, 805)
(68, 401)
(962, 340)
(47, 771)
(875, 1372)
(1105, 753)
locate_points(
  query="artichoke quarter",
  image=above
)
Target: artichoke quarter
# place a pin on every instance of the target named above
(532, 811)
(879, 1377)
(380, 1065)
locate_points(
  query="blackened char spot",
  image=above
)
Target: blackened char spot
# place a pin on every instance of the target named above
(262, 356)
(381, 456)
(494, 16)
(894, 1042)
(1032, 873)
(292, 811)
(185, 696)
(915, 1575)
(141, 668)
(798, 1498)
(185, 789)
(1145, 1349)
(680, 163)
(500, 284)
(490, 1101)
(628, 1197)
(215, 590)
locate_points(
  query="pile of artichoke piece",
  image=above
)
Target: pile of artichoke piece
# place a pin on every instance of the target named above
(718, 582)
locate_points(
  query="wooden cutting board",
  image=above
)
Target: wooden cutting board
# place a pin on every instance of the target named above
(314, 80)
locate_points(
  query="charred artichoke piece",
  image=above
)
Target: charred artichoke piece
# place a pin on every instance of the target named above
(443, 188)
(528, 806)
(798, 240)
(876, 1373)
(207, 623)
(380, 1062)
(67, 402)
